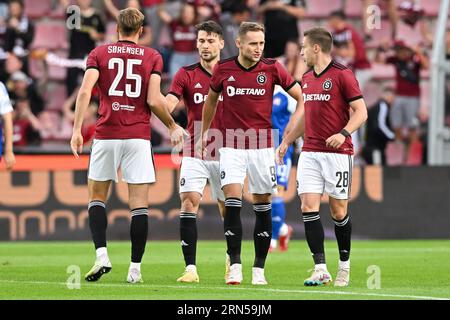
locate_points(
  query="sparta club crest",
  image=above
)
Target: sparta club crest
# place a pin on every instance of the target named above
(327, 85)
(261, 78)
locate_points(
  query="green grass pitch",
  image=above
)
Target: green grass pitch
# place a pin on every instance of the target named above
(406, 270)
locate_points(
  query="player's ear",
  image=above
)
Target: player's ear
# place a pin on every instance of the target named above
(221, 44)
(141, 31)
(238, 42)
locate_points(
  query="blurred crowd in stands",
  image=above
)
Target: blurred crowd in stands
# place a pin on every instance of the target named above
(43, 50)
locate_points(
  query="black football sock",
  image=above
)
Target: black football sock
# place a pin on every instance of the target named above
(343, 231)
(138, 233)
(188, 236)
(98, 223)
(262, 233)
(315, 236)
(232, 226)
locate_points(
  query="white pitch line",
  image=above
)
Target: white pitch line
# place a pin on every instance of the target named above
(236, 288)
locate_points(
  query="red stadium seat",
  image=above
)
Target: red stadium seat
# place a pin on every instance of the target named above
(383, 71)
(50, 35)
(322, 8)
(353, 8)
(382, 34)
(372, 93)
(431, 7)
(37, 9)
(55, 96)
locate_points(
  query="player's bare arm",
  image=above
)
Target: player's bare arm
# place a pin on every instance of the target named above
(84, 97)
(297, 125)
(296, 93)
(10, 160)
(160, 107)
(172, 102)
(209, 111)
(356, 120)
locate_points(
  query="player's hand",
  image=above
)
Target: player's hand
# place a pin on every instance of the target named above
(280, 152)
(177, 135)
(335, 141)
(76, 144)
(200, 146)
(10, 160)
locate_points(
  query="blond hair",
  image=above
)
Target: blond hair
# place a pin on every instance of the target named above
(129, 21)
(321, 37)
(248, 27)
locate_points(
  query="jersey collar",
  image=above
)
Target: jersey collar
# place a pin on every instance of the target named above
(204, 70)
(244, 68)
(127, 41)
(324, 70)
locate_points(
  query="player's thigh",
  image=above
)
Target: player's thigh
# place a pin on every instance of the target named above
(262, 177)
(233, 166)
(411, 109)
(338, 175)
(190, 201)
(213, 168)
(193, 175)
(138, 195)
(105, 159)
(137, 162)
(98, 190)
(309, 174)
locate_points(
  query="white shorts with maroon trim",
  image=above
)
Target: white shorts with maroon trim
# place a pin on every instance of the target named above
(194, 174)
(259, 164)
(133, 157)
(319, 172)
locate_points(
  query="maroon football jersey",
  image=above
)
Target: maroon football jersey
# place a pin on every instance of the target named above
(125, 69)
(247, 100)
(326, 97)
(191, 83)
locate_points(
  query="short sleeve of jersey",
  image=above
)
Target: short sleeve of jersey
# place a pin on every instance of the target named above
(349, 86)
(158, 64)
(92, 61)
(5, 103)
(178, 83)
(216, 84)
(283, 78)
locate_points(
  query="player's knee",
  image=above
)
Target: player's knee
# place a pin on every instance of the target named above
(189, 205)
(307, 207)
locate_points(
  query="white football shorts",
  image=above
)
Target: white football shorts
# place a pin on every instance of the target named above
(194, 174)
(134, 157)
(319, 172)
(258, 164)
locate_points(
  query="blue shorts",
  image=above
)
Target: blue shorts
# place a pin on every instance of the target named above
(284, 170)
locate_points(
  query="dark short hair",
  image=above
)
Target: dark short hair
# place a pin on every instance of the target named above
(249, 27)
(320, 36)
(210, 27)
(338, 14)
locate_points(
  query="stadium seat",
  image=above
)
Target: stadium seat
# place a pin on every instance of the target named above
(353, 8)
(372, 92)
(381, 34)
(305, 24)
(394, 154)
(37, 9)
(55, 96)
(50, 35)
(431, 7)
(322, 8)
(382, 71)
